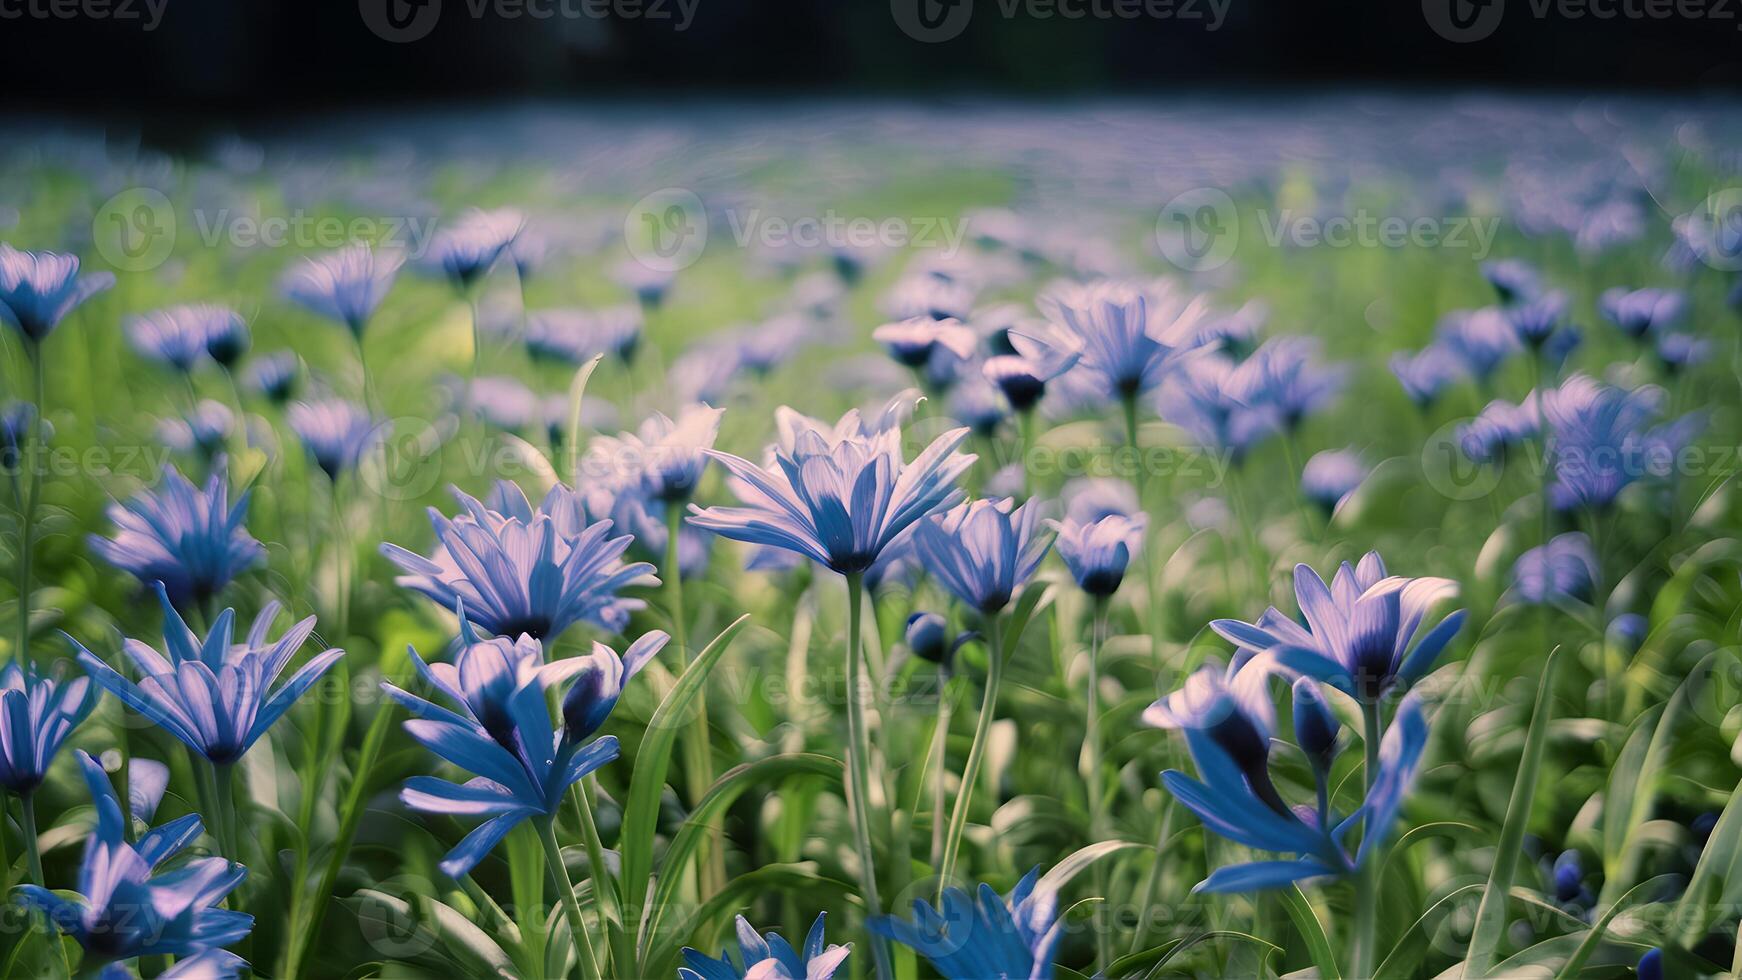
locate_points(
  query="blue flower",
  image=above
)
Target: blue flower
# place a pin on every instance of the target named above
(1481, 339)
(1087, 499)
(502, 733)
(1127, 335)
(982, 550)
(18, 424)
(1651, 964)
(650, 285)
(212, 695)
(1425, 375)
(335, 432)
(1227, 722)
(985, 936)
(1315, 727)
(1023, 379)
(1331, 476)
(572, 336)
(665, 456)
(1203, 398)
(1569, 877)
(1603, 441)
(768, 345)
(37, 714)
(345, 286)
(503, 402)
(123, 910)
(189, 539)
(1285, 378)
(202, 432)
(1499, 428)
(466, 249)
(1513, 280)
(913, 341)
(176, 336)
(979, 405)
(1097, 552)
(39, 289)
(768, 957)
(274, 376)
(1639, 312)
(520, 570)
(1564, 568)
(928, 636)
(1628, 632)
(930, 296)
(599, 678)
(1361, 630)
(839, 497)
(1538, 318)
(1680, 351)
(227, 339)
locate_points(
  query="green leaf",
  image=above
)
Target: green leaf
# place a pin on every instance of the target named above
(1490, 926)
(1306, 921)
(572, 432)
(705, 926)
(430, 922)
(641, 811)
(1599, 929)
(721, 795)
(1718, 863)
(1062, 872)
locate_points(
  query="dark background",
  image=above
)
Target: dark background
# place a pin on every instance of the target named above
(244, 58)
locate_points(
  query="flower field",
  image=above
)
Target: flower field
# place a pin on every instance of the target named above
(1212, 539)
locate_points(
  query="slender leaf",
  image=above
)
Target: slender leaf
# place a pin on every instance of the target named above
(1306, 921)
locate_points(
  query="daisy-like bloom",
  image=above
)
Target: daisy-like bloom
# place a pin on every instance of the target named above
(598, 681)
(1498, 428)
(274, 376)
(1425, 375)
(177, 336)
(501, 732)
(1227, 720)
(1285, 377)
(911, 342)
(768, 957)
(17, 422)
(227, 339)
(982, 550)
(335, 433)
(930, 296)
(214, 695)
(503, 402)
(517, 569)
(187, 538)
(1539, 317)
(1331, 476)
(979, 405)
(1128, 335)
(1514, 280)
(1203, 397)
(1481, 339)
(202, 432)
(1361, 630)
(1087, 499)
(649, 285)
(1679, 351)
(1639, 312)
(767, 345)
(39, 289)
(345, 286)
(529, 250)
(928, 636)
(124, 910)
(839, 497)
(1604, 440)
(37, 714)
(1564, 568)
(572, 336)
(665, 456)
(1097, 553)
(1023, 379)
(465, 250)
(984, 935)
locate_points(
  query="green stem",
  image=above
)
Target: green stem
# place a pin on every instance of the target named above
(224, 810)
(699, 756)
(858, 764)
(1025, 427)
(27, 445)
(1089, 764)
(1362, 942)
(604, 886)
(976, 754)
(553, 855)
(32, 850)
(940, 765)
(1152, 597)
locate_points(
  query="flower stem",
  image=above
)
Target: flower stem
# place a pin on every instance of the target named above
(1025, 427)
(1089, 764)
(939, 764)
(699, 757)
(553, 855)
(858, 764)
(604, 887)
(1152, 600)
(1367, 875)
(27, 545)
(976, 754)
(32, 850)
